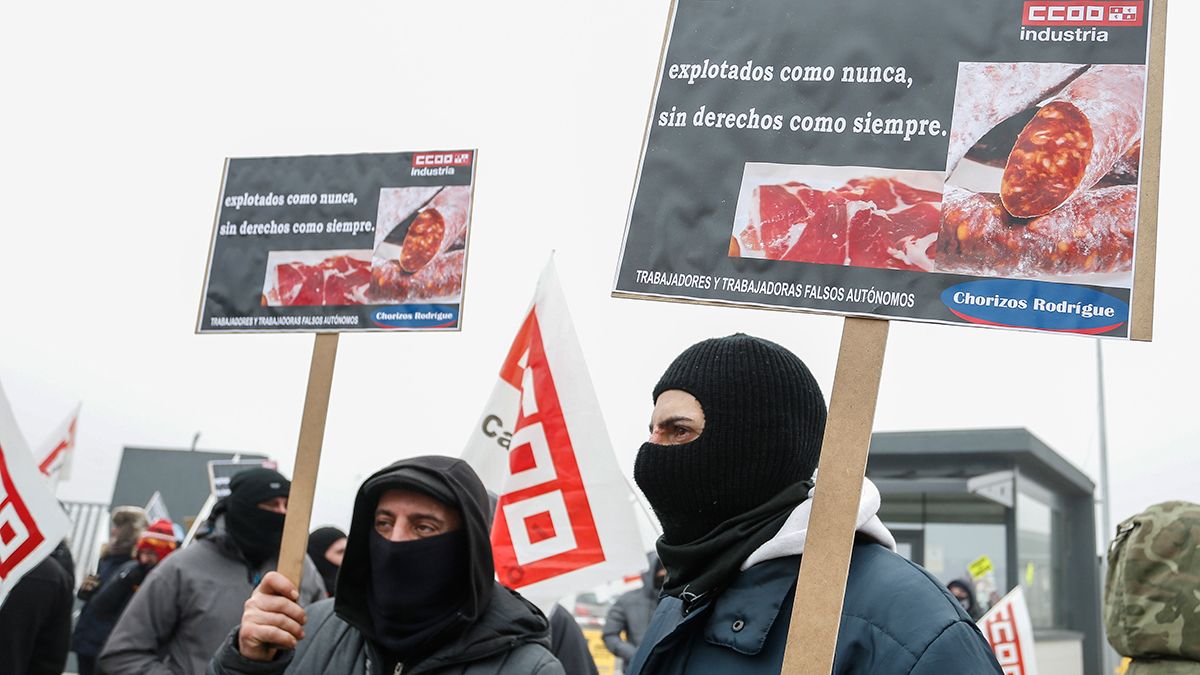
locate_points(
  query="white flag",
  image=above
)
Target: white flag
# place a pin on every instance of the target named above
(1010, 631)
(156, 508)
(55, 454)
(31, 521)
(565, 520)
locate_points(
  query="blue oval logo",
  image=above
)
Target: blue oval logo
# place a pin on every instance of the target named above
(1039, 305)
(416, 316)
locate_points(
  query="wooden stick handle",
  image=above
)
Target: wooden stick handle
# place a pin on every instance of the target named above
(820, 589)
(308, 457)
(1141, 313)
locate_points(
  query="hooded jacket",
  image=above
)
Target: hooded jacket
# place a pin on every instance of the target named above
(631, 614)
(496, 630)
(897, 619)
(182, 612)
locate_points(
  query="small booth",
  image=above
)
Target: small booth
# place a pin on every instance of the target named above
(1003, 500)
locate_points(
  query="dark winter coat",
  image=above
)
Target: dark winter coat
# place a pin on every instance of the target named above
(105, 568)
(35, 622)
(896, 620)
(100, 614)
(631, 615)
(182, 612)
(569, 645)
(498, 631)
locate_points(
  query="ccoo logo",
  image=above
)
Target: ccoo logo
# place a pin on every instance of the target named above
(1036, 305)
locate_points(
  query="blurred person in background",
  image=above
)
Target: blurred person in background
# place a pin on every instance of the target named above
(62, 556)
(35, 622)
(630, 615)
(326, 547)
(191, 600)
(1152, 590)
(417, 592)
(99, 616)
(126, 526)
(964, 592)
(569, 645)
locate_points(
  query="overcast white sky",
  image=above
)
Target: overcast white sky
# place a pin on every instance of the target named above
(119, 118)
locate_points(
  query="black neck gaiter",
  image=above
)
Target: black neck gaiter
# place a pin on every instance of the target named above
(417, 590)
(256, 532)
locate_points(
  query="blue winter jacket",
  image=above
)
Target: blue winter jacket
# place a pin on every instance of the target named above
(896, 620)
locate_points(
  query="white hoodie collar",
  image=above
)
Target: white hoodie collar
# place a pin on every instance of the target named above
(791, 537)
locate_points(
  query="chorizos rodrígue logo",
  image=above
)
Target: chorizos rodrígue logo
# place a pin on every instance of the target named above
(1015, 303)
(415, 316)
(1075, 13)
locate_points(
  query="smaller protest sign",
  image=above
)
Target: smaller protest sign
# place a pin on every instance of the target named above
(31, 521)
(1009, 630)
(340, 243)
(221, 471)
(565, 520)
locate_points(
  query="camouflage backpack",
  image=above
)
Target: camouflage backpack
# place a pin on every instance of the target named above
(1152, 591)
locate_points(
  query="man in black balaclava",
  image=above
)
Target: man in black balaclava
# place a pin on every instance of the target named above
(416, 592)
(735, 437)
(182, 612)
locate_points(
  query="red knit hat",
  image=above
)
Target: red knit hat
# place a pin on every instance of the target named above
(159, 538)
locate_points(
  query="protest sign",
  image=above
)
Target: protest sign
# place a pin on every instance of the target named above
(221, 471)
(1009, 631)
(946, 163)
(340, 243)
(976, 164)
(57, 451)
(565, 517)
(334, 243)
(31, 521)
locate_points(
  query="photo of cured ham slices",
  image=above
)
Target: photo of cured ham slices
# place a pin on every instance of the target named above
(306, 278)
(1042, 166)
(420, 248)
(856, 216)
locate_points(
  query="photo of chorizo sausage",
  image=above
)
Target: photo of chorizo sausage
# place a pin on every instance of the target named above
(987, 94)
(440, 279)
(1074, 140)
(442, 225)
(1091, 233)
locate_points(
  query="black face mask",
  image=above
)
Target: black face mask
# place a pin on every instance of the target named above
(256, 532)
(417, 588)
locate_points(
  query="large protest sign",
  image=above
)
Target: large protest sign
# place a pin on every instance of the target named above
(948, 162)
(1009, 631)
(989, 164)
(565, 518)
(31, 521)
(340, 243)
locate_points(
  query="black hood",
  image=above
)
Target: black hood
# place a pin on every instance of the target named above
(449, 480)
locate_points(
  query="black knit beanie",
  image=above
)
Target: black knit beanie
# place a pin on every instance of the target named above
(764, 418)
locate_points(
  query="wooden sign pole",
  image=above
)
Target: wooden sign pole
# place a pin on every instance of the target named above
(820, 589)
(308, 457)
(1141, 313)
